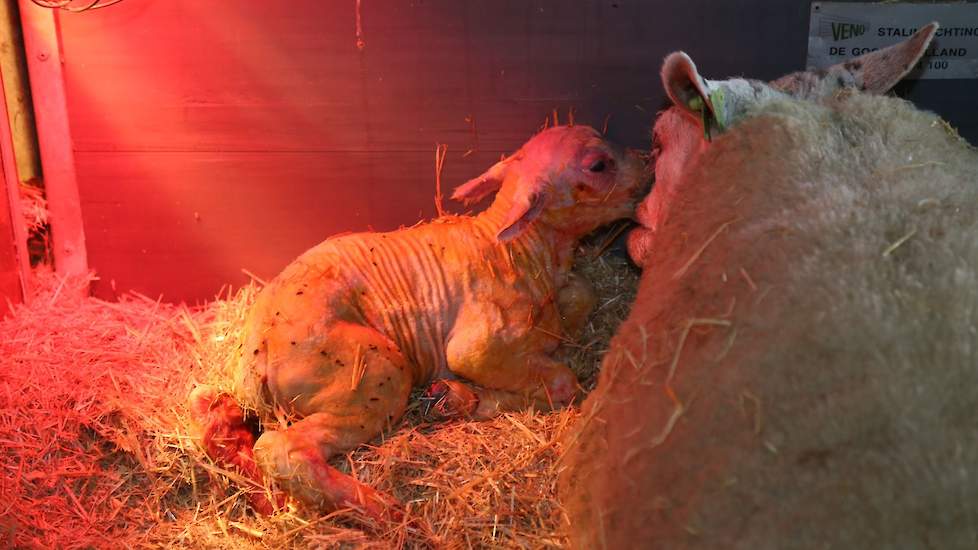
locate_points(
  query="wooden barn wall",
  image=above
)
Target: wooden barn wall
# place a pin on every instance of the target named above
(212, 136)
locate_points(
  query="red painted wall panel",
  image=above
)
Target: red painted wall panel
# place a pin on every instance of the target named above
(174, 230)
(211, 137)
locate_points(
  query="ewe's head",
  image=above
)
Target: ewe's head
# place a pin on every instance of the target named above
(704, 109)
(567, 177)
(716, 105)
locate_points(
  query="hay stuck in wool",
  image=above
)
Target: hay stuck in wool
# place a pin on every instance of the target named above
(97, 452)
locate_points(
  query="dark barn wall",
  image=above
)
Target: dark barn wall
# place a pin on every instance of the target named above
(213, 136)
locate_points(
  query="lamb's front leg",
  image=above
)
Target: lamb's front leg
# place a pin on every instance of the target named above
(554, 386)
(575, 302)
(505, 353)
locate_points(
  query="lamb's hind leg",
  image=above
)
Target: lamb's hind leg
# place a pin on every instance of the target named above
(298, 459)
(345, 389)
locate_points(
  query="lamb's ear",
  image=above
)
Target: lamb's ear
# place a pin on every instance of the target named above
(876, 72)
(482, 186)
(527, 206)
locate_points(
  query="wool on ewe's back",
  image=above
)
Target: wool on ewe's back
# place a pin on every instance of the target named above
(800, 368)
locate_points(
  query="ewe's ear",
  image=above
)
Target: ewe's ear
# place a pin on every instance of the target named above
(694, 94)
(882, 69)
(528, 204)
(481, 187)
(875, 72)
(684, 85)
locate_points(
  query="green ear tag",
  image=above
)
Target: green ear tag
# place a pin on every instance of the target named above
(716, 98)
(696, 103)
(705, 117)
(710, 117)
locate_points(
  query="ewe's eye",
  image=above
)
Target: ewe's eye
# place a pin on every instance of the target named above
(597, 166)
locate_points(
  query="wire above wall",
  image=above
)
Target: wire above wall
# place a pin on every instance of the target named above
(75, 6)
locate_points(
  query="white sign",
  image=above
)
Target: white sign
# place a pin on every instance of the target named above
(842, 30)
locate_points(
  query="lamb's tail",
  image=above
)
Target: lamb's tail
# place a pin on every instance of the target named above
(225, 437)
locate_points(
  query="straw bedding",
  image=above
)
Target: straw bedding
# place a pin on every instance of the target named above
(95, 446)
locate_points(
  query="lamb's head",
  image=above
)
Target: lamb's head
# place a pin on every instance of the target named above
(568, 178)
(704, 109)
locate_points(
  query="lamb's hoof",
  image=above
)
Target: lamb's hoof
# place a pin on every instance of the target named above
(201, 399)
(227, 440)
(450, 399)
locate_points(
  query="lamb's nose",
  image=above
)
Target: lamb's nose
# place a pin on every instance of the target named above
(637, 154)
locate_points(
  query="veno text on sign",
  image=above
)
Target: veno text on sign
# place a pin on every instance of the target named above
(843, 30)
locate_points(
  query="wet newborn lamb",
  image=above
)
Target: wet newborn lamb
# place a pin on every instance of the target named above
(337, 340)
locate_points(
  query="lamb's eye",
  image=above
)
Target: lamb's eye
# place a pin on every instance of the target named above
(598, 166)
